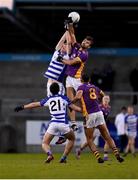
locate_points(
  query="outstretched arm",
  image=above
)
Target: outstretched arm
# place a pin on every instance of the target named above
(66, 37)
(72, 33)
(32, 105)
(61, 41)
(78, 96)
(75, 108)
(71, 62)
(27, 106)
(68, 41)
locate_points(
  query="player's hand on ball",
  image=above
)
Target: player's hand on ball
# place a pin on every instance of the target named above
(59, 58)
(67, 22)
(18, 108)
(73, 18)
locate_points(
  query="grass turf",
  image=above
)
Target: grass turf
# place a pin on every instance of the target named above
(31, 166)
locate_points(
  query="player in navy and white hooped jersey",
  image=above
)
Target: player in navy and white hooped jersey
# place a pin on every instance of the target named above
(131, 121)
(58, 105)
(58, 108)
(56, 69)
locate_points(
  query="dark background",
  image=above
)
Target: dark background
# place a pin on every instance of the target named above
(37, 26)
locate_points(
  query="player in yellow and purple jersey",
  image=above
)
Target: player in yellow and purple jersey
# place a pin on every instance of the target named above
(105, 107)
(89, 94)
(75, 65)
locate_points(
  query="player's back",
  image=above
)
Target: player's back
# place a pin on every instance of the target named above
(90, 103)
(56, 69)
(58, 108)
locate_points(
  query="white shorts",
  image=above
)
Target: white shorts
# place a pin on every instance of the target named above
(61, 87)
(55, 128)
(73, 82)
(95, 119)
(132, 134)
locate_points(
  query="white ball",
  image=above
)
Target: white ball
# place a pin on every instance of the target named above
(74, 16)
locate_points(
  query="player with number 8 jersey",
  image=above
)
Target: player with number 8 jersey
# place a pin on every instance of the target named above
(89, 100)
(89, 95)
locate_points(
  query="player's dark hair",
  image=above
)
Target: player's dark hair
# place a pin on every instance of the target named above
(123, 108)
(85, 78)
(54, 88)
(89, 38)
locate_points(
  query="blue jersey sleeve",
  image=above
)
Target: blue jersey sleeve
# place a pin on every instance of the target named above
(67, 100)
(43, 101)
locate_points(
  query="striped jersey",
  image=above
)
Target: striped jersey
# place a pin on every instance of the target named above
(131, 121)
(58, 107)
(56, 69)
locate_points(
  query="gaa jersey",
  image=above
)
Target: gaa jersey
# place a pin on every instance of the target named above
(131, 121)
(75, 70)
(58, 107)
(105, 109)
(89, 100)
(56, 70)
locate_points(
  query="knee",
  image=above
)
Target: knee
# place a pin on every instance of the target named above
(129, 142)
(44, 141)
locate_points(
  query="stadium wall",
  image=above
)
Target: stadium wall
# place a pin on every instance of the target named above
(23, 82)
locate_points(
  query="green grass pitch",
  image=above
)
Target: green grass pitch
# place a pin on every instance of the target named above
(31, 166)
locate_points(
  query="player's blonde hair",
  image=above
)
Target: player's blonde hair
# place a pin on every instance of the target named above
(106, 97)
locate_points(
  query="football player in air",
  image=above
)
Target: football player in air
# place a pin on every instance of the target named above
(75, 67)
(56, 70)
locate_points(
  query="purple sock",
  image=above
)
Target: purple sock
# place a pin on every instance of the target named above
(49, 153)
